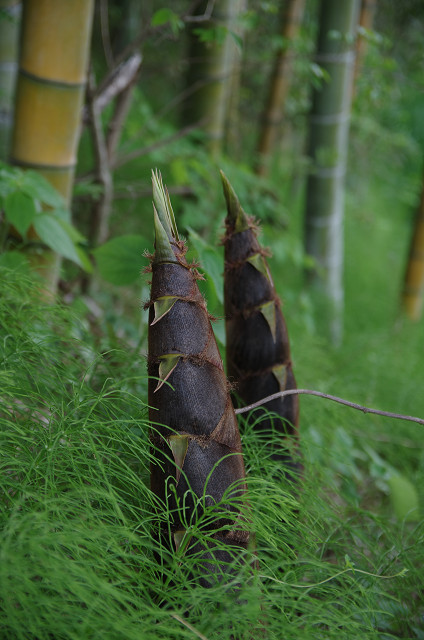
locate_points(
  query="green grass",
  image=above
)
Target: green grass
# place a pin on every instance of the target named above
(78, 554)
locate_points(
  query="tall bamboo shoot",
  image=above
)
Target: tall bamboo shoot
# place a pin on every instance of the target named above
(195, 437)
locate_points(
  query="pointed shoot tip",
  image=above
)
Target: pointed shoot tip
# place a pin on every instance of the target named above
(235, 213)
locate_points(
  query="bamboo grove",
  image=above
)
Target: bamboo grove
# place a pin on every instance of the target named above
(197, 470)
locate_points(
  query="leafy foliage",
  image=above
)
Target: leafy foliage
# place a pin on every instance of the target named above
(38, 213)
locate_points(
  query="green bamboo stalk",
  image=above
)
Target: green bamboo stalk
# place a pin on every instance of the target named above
(258, 349)
(279, 86)
(195, 437)
(10, 20)
(49, 95)
(328, 143)
(211, 65)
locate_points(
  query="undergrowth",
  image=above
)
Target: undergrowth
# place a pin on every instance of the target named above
(79, 557)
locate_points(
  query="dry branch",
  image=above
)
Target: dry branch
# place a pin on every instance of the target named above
(327, 396)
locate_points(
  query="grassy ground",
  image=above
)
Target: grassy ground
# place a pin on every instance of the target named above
(339, 555)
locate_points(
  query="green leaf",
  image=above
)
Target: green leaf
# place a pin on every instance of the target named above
(36, 186)
(84, 259)
(404, 498)
(20, 210)
(52, 233)
(62, 214)
(8, 179)
(120, 260)
(211, 262)
(72, 231)
(163, 16)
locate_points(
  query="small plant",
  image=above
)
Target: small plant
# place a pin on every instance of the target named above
(34, 213)
(198, 473)
(258, 350)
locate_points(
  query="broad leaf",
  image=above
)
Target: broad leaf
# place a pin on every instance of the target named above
(211, 262)
(120, 260)
(53, 234)
(404, 498)
(20, 210)
(36, 186)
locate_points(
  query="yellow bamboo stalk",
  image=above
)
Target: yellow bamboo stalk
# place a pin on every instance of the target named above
(413, 291)
(50, 91)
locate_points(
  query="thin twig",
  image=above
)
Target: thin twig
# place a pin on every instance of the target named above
(204, 17)
(124, 76)
(347, 403)
(100, 218)
(122, 107)
(104, 27)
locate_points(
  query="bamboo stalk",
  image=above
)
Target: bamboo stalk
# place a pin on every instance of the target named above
(10, 20)
(328, 143)
(209, 74)
(366, 20)
(50, 92)
(413, 290)
(195, 438)
(279, 86)
(258, 349)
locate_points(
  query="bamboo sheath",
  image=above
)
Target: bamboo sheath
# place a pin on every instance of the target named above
(195, 439)
(50, 90)
(413, 291)
(258, 350)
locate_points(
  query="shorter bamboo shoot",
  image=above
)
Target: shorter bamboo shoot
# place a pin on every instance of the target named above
(258, 350)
